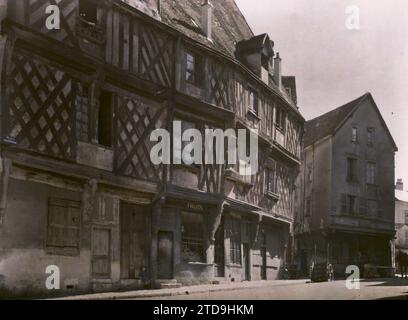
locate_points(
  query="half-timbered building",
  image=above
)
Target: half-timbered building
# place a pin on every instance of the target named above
(78, 106)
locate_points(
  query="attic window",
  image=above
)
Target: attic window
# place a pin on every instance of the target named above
(88, 11)
(265, 62)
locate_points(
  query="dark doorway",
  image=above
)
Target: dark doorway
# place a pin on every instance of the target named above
(220, 252)
(263, 266)
(133, 240)
(247, 262)
(303, 263)
(165, 255)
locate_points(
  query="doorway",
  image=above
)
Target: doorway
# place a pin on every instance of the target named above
(247, 262)
(263, 266)
(133, 221)
(165, 246)
(220, 252)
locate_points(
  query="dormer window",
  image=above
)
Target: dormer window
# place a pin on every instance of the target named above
(194, 69)
(265, 62)
(88, 11)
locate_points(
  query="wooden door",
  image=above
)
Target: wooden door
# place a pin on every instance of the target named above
(101, 240)
(165, 255)
(247, 262)
(133, 240)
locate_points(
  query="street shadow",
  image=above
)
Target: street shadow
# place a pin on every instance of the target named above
(387, 282)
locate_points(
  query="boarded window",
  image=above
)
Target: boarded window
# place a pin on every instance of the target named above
(192, 237)
(235, 242)
(105, 120)
(63, 228)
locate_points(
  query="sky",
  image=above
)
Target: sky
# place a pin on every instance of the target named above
(334, 64)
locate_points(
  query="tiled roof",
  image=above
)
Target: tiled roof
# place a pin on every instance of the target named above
(325, 125)
(229, 25)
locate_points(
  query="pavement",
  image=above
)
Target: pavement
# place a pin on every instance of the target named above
(369, 289)
(185, 291)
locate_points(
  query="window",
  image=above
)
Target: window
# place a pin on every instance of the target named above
(88, 11)
(265, 61)
(370, 173)
(372, 208)
(370, 136)
(348, 204)
(309, 174)
(235, 242)
(352, 170)
(192, 237)
(105, 120)
(82, 113)
(308, 211)
(280, 120)
(406, 217)
(194, 69)
(406, 237)
(253, 101)
(63, 227)
(272, 180)
(354, 134)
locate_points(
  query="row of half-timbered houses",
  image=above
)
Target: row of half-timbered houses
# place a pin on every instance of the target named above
(78, 106)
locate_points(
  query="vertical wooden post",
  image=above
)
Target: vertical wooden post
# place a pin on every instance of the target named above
(5, 168)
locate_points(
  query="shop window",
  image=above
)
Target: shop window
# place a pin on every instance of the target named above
(105, 120)
(235, 242)
(192, 237)
(63, 227)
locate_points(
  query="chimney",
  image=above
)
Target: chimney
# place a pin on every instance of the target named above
(206, 18)
(400, 185)
(277, 72)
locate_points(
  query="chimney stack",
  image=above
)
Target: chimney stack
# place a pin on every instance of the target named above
(400, 185)
(277, 72)
(206, 18)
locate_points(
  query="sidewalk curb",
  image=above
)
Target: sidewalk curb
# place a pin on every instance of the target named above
(183, 291)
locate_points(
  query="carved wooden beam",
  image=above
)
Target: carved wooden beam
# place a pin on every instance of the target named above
(257, 229)
(5, 168)
(216, 220)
